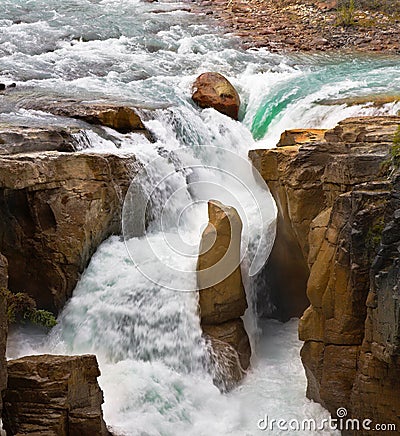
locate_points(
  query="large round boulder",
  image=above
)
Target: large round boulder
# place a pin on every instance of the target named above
(214, 90)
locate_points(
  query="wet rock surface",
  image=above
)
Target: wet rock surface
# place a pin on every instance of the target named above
(214, 90)
(55, 396)
(123, 119)
(222, 299)
(58, 204)
(23, 139)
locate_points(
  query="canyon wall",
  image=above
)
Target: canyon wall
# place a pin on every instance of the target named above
(56, 206)
(55, 209)
(54, 396)
(337, 197)
(3, 328)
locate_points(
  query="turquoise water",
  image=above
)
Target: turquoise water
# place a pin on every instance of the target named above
(146, 337)
(297, 99)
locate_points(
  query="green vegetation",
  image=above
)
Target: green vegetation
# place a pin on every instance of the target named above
(396, 148)
(388, 6)
(374, 235)
(21, 308)
(346, 13)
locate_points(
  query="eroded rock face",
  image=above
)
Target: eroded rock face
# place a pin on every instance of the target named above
(377, 100)
(121, 118)
(338, 200)
(300, 136)
(214, 90)
(3, 271)
(54, 396)
(3, 328)
(55, 209)
(22, 139)
(222, 298)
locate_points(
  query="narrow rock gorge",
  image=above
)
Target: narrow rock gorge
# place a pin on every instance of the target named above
(125, 130)
(337, 196)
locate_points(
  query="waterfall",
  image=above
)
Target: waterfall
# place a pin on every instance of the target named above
(135, 306)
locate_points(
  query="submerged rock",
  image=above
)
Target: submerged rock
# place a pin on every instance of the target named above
(338, 200)
(3, 86)
(54, 395)
(231, 351)
(222, 298)
(215, 91)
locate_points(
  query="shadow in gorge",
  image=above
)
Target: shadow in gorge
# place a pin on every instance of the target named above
(281, 284)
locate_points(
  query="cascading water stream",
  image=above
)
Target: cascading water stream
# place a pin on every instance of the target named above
(145, 334)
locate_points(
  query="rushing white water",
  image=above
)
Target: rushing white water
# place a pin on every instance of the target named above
(146, 336)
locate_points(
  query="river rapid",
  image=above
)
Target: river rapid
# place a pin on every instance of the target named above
(134, 306)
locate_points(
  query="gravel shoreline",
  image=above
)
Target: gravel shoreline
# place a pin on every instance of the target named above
(294, 25)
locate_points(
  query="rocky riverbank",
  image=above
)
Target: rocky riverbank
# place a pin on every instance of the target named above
(57, 204)
(313, 25)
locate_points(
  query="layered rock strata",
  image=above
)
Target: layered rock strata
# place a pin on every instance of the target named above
(23, 139)
(54, 396)
(55, 209)
(337, 201)
(222, 298)
(123, 119)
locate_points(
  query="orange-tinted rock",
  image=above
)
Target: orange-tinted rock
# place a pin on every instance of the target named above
(215, 91)
(121, 118)
(305, 181)
(54, 396)
(124, 119)
(375, 99)
(222, 299)
(300, 136)
(327, 5)
(349, 237)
